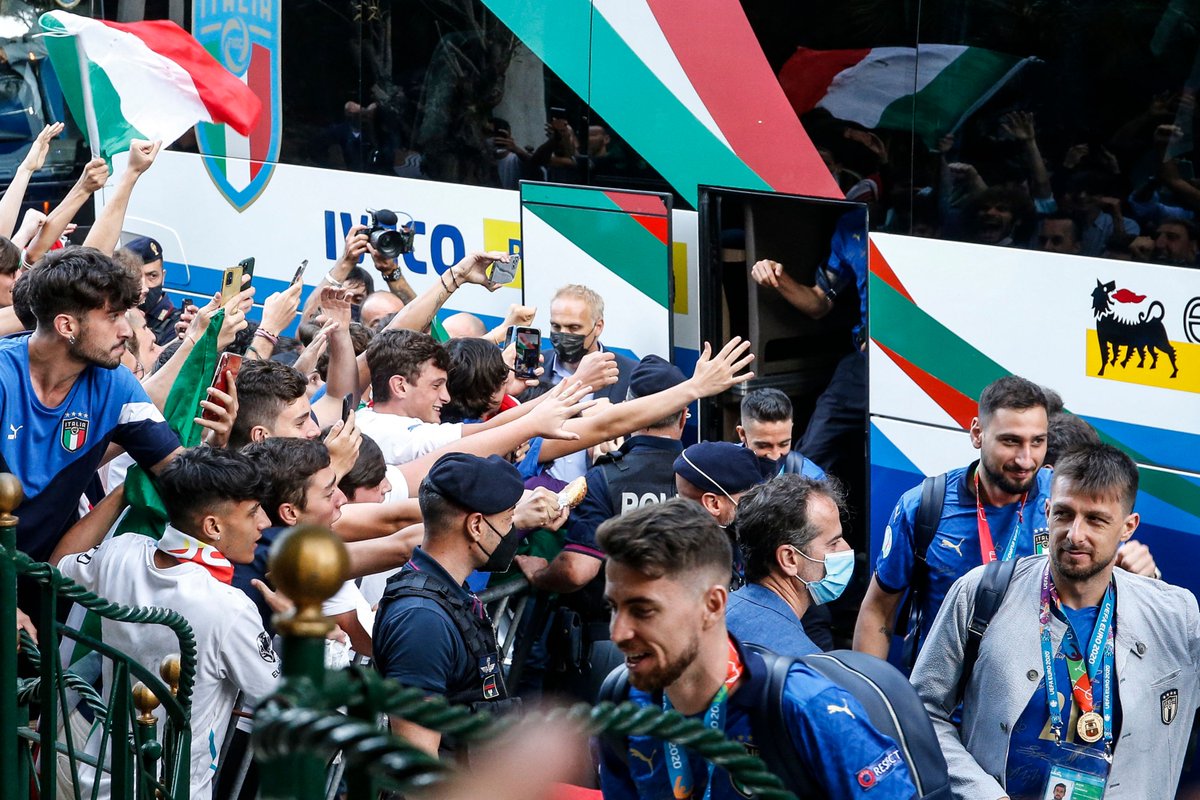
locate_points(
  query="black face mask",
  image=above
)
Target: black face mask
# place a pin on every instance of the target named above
(569, 346)
(500, 559)
(152, 298)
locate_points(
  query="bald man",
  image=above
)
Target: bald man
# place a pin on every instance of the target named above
(464, 326)
(377, 306)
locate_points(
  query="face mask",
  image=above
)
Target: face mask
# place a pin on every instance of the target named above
(839, 567)
(569, 346)
(152, 298)
(500, 559)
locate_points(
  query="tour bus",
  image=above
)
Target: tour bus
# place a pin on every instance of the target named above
(655, 150)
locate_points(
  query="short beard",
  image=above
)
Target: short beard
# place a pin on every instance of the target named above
(1006, 484)
(669, 673)
(1080, 573)
(105, 360)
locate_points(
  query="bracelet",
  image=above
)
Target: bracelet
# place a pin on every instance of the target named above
(266, 334)
(336, 284)
(190, 338)
(444, 286)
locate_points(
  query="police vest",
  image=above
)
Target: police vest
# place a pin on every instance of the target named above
(487, 692)
(638, 478)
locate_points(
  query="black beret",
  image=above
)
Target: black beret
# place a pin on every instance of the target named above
(487, 485)
(146, 248)
(723, 468)
(654, 374)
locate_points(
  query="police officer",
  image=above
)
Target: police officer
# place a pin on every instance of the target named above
(640, 473)
(431, 632)
(161, 314)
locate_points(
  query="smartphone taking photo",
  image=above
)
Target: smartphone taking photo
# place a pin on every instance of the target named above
(529, 351)
(227, 363)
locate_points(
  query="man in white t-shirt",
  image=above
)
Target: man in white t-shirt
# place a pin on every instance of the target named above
(212, 500)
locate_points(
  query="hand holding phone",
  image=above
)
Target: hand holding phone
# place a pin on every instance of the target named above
(231, 283)
(228, 363)
(347, 406)
(529, 351)
(299, 276)
(504, 270)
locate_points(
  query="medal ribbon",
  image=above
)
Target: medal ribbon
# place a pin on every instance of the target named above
(678, 768)
(986, 545)
(1099, 656)
(180, 545)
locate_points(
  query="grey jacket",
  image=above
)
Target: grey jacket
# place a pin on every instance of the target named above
(1157, 651)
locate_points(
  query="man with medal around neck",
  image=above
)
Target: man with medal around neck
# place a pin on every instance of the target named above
(1125, 651)
(994, 509)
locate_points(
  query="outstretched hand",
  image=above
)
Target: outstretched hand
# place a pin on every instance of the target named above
(559, 405)
(716, 374)
(40, 148)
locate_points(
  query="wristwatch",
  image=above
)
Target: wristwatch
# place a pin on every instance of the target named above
(394, 275)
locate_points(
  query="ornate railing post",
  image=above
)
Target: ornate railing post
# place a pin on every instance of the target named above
(10, 753)
(308, 564)
(147, 750)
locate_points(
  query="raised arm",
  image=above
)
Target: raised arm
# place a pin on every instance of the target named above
(107, 230)
(14, 195)
(92, 180)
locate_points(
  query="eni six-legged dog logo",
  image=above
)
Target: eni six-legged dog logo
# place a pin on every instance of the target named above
(1129, 324)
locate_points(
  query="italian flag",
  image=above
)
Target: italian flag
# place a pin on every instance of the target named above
(934, 88)
(141, 80)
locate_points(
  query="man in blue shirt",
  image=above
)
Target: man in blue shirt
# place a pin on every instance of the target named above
(431, 632)
(666, 577)
(1007, 487)
(790, 530)
(64, 396)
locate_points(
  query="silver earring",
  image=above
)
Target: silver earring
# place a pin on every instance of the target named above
(71, 340)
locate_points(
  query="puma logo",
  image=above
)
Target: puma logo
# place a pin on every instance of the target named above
(648, 759)
(844, 708)
(13, 430)
(946, 543)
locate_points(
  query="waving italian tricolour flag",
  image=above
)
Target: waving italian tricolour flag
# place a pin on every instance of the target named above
(141, 80)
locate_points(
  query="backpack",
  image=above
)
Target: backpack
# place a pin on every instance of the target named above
(889, 699)
(911, 614)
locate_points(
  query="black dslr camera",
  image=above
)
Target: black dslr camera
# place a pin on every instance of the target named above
(385, 236)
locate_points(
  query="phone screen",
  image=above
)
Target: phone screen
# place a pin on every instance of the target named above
(529, 349)
(299, 276)
(347, 406)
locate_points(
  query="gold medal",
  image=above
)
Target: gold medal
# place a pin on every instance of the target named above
(1090, 727)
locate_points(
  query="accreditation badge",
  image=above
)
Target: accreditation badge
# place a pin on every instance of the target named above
(1071, 784)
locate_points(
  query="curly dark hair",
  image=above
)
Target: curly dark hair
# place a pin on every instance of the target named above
(76, 280)
(477, 371)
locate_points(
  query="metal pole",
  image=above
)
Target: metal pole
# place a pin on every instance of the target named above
(10, 744)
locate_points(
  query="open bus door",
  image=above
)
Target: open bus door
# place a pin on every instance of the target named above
(617, 243)
(794, 352)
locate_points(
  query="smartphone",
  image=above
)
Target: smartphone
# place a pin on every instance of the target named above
(299, 276)
(529, 351)
(228, 362)
(558, 112)
(347, 406)
(231, 283)
(504, 270)
(247, 265)
(188, 302)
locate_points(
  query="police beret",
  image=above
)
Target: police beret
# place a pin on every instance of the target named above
(654, 374)
(146, 248)
(722, 468)
(487, 485)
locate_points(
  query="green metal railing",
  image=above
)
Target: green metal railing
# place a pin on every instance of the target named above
(130, 756)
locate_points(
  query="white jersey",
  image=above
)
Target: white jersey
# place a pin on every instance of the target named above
(233, 652)
(404, 439)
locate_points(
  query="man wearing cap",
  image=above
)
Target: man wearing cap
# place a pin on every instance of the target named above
(715, 475)
(161, 314)
(431, 632)
(640, 473)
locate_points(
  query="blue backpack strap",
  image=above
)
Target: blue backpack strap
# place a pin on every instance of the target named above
(929, 514)
(615, 690)
(771, 733)
(989, 594)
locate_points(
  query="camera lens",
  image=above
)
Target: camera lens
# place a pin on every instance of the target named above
(389, 243)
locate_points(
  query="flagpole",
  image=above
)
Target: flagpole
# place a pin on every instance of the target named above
(89, 111)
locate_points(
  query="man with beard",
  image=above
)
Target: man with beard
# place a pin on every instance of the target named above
(431, 631)
(993, 509)
(63, 398)
(1042, 704)
(667, 582)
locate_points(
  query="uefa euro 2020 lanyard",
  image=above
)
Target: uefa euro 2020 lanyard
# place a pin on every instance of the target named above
(1099, 655)
(985, 531)
(678, 768)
